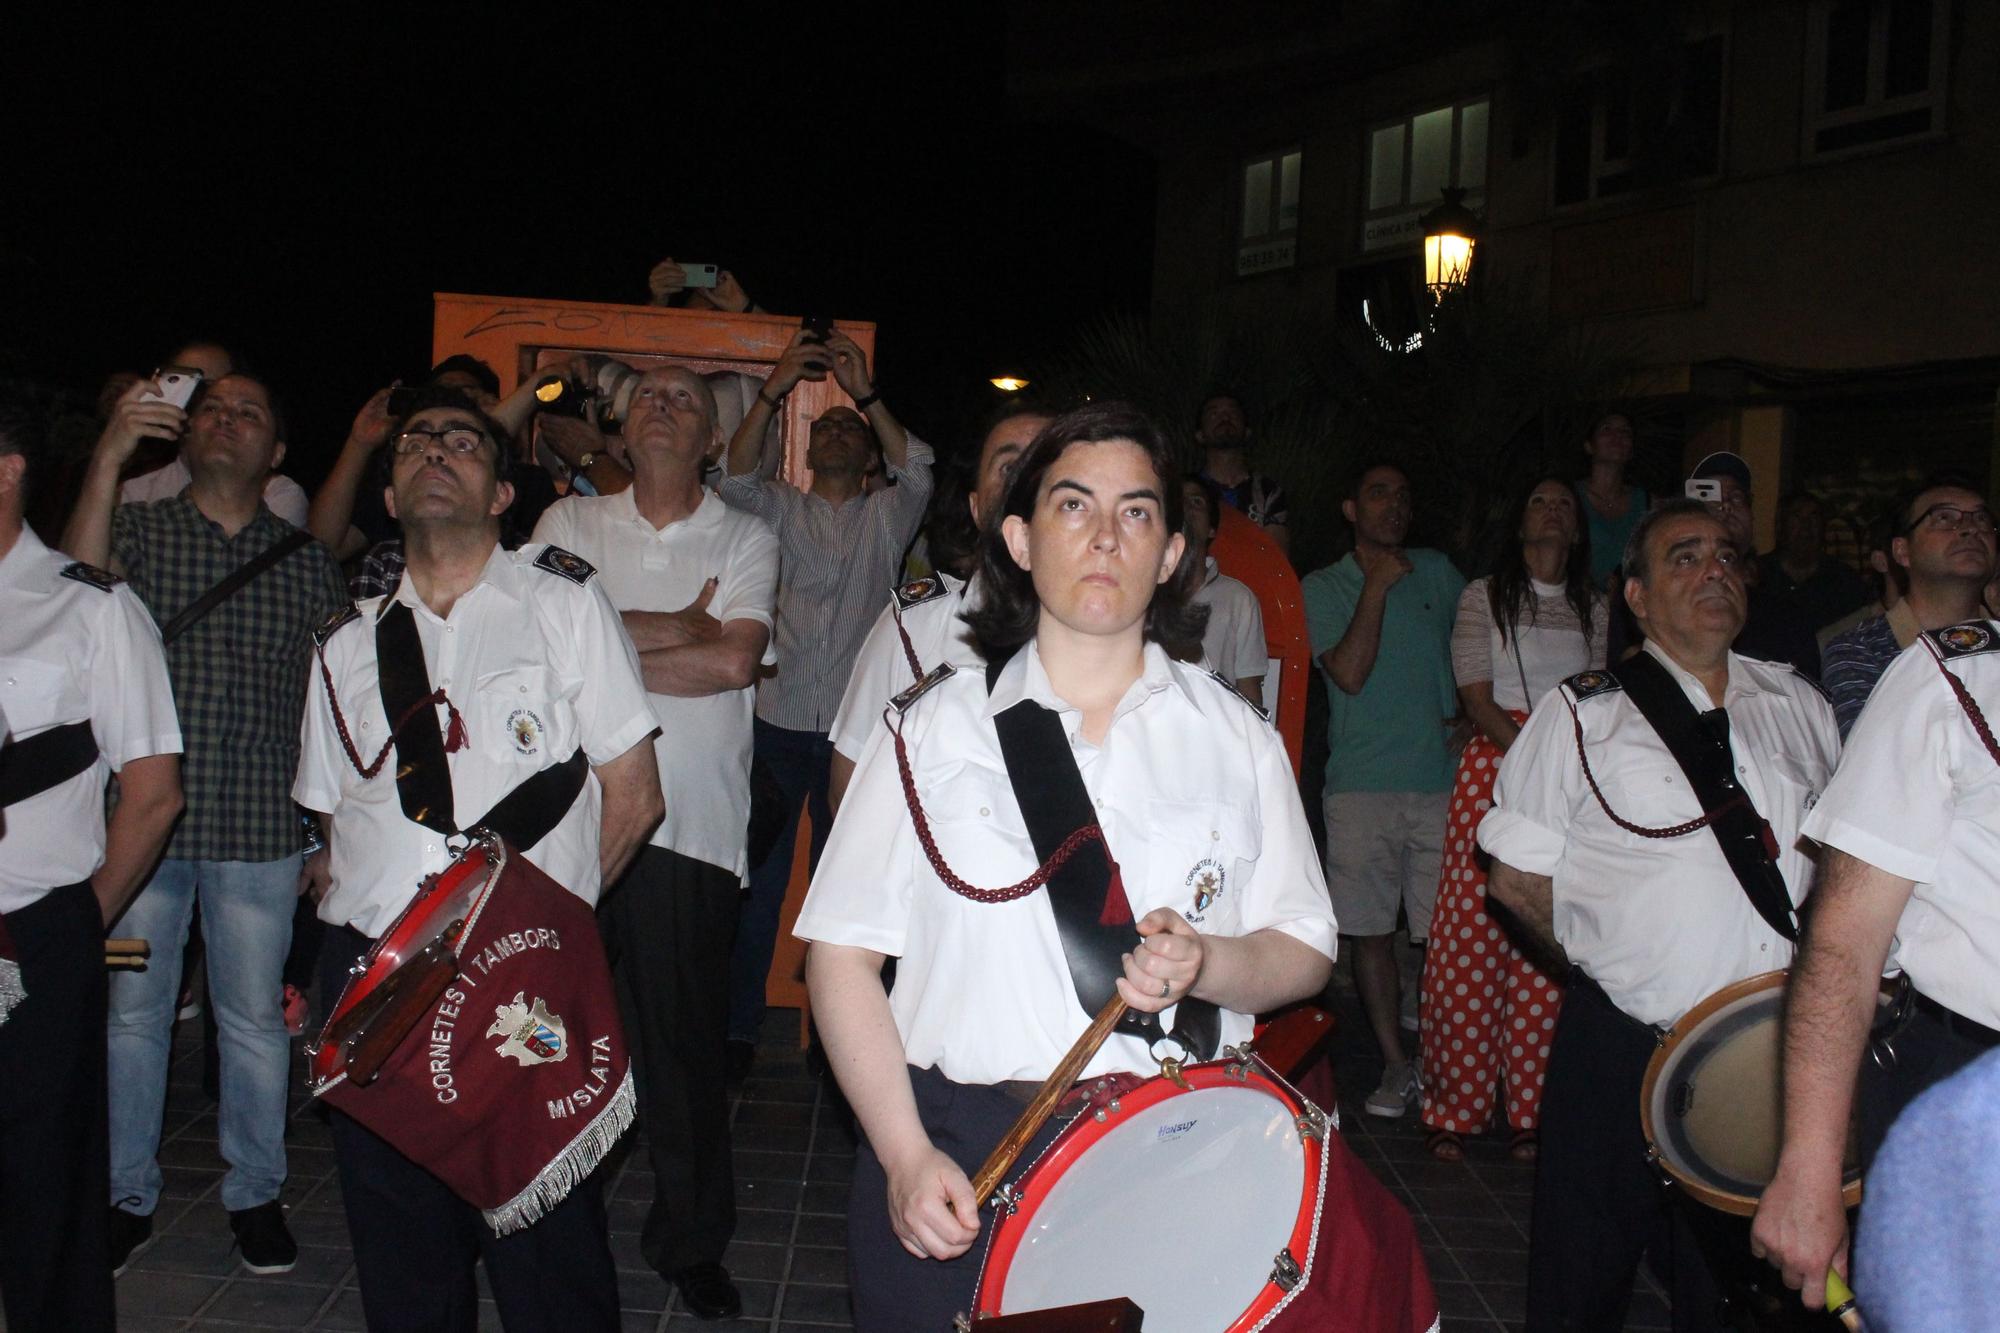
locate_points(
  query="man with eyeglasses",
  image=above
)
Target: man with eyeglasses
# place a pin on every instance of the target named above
(535, 672)
(1776, 628)
(1943, 549)
(839, 550)
(239, 679)
(1909, 831)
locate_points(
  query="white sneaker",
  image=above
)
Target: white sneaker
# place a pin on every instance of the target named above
(1399, 1086)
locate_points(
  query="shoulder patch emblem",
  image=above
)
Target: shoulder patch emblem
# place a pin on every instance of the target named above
(1230, 685)
(1969, 639)
(340, 617)
(1584, 684)
(566, 563)
(917, 591)
(902, 700)
(101, 579)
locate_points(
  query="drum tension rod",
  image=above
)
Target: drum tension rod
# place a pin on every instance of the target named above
(1285, 1271)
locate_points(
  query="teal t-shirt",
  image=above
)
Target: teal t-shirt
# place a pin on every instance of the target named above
(1609, 535)
(1391, 736)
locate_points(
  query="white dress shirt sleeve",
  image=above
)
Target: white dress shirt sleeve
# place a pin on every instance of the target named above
(132, 712)
(317, 786)
(1287, 891)
(612, 709)
(1891, 800)
(1535, 792)
(862, 892)
(880, 670)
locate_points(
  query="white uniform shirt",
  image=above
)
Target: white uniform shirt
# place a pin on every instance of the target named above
(1660, 923)
(283, 496)
(882, 668)
(536, 664)
(1233, 642)
(73, 652)
(1918, 796)
(1192, 788)
(703, 749)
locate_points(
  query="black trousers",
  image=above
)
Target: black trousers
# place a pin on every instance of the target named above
(415, 1242)
(668, 926)
(1927, 1051)
(894, 1291)
(55, 1152)
(1599, 1204)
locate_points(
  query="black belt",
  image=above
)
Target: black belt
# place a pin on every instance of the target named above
(1956, 1023)
(45, 760)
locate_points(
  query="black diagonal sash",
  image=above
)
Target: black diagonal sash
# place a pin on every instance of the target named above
(44, 760)
(1054, 804)
(1699, 743)
(524, 816)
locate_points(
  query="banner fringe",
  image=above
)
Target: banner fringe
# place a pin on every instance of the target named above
(11, 990)
(554, 1182)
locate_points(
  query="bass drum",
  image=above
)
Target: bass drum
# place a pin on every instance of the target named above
(1198, 1200)
(1712, 1104)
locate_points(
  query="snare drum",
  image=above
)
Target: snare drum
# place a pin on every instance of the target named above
(403, 973)
(1199, 1200)
(1711, 1103)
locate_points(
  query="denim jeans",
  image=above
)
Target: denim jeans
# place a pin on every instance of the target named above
(800, 762)
(246, 922)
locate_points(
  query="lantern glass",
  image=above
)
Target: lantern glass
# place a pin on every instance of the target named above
(1447, 261)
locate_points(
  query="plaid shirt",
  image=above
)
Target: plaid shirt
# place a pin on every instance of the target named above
(239, 673)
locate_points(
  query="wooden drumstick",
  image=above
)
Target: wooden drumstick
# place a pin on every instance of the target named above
(1066, 1072)
(1840, 1302)
(127, 953)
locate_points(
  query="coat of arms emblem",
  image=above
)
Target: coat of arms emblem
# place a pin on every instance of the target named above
(534, 1036)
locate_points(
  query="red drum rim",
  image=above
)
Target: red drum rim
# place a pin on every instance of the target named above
(1030, 1190)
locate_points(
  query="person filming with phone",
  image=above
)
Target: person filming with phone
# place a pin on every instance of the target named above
(839, 551)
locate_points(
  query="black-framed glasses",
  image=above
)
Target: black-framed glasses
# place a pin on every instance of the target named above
(455, 439)
(1951, 518)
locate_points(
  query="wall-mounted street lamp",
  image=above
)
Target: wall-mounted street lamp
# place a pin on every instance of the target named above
(1451, 230)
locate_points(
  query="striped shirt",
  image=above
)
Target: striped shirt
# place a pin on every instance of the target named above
(835, 566)
(239, 673)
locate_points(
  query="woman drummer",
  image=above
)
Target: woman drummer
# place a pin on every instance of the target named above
(1086, 612)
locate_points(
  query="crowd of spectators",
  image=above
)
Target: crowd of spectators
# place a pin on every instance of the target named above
(770, 622)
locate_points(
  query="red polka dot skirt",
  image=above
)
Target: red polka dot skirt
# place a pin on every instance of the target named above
(1488, 1013)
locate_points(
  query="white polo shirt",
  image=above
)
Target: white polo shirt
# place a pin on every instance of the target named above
(1917, 795)
(73, 649)
(537, 664)
(703, 749)
(882, 668)
(1660, 923)
(1233, 641)
(1194, 792)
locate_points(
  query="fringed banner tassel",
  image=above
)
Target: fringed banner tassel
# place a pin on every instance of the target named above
(11, 990)
(553, 1182)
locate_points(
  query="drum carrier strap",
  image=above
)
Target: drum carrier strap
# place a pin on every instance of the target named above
(1087, 893)
(1699, 743)
(44, 760)
(524, 816)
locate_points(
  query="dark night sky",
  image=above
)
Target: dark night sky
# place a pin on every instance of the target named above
(299, 189)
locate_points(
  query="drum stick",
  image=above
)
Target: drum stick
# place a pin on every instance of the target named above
(127, 953)
(1840, 1302)
(1002, 1158)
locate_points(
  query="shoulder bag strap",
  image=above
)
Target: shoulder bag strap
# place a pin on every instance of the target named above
(186, 617)
(1699, 743)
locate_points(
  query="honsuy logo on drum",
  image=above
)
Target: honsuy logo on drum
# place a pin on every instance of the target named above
(534, 1036)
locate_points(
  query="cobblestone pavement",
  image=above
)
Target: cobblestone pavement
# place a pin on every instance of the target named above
(794, 1152)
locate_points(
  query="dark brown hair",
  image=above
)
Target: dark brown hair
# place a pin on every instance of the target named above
(1007, 615)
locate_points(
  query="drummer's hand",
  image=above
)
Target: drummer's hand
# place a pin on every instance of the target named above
(1801, 1230)
(316, 875)
(931, 1208)
(1169, 954)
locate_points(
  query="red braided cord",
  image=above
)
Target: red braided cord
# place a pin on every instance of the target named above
(1972, 711)
(909, 649)
(1675, 831)
(431, 700)
(1071, 845)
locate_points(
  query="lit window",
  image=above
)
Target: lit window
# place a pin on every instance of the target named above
(1267, 235)
(1411, 161)
(1875, 72)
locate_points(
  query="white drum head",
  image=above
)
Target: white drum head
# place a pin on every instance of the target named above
(1183, 1207)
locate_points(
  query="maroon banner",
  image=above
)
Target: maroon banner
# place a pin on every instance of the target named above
(517, 1081)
